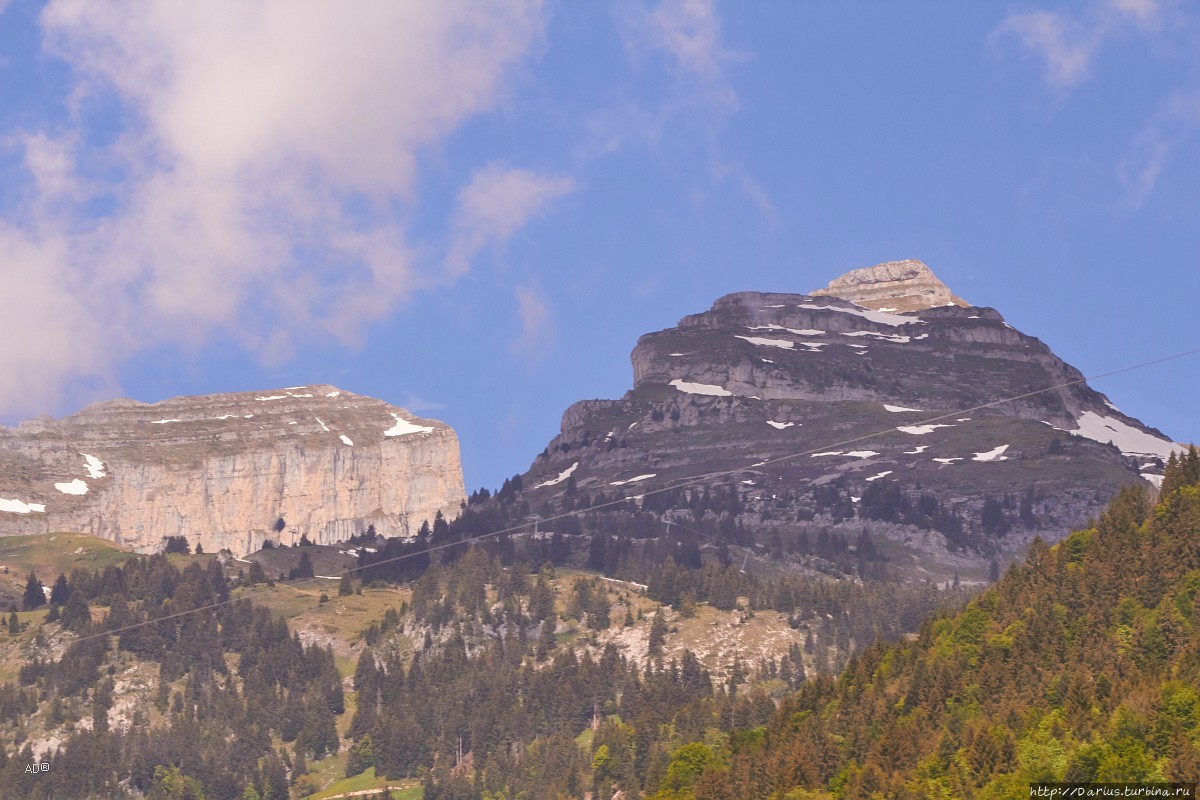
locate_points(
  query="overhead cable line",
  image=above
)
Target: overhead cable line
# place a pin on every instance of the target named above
(683, 484)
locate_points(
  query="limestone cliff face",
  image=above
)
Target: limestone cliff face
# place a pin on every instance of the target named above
(895, 286)
(221, 470)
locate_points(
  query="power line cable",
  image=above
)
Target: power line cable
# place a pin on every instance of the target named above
(686, 483)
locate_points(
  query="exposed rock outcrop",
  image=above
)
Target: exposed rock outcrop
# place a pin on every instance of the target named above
(223, 469)
(893, 286)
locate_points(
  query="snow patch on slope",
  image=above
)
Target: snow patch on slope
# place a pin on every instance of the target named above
(634, 479)
(920, 430)
(996, 454)
(885, 336)
(874, 316)
(780, 343)
(797, 331)
(95, 466)
(20, 507)
(1127, 438)
(562, 476)
(403, 427)
(700, 388)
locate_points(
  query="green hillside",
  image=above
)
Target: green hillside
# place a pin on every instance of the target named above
(1081, 665)
(49, 555)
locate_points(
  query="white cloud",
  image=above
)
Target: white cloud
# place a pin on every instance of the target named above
(260, 187)
(536, 326)
(687, 35)
(1146, 13)
(45, 328)
(1068, 46)
(1176, 121)
(688, 32)
(1065, 46)
(497, 203)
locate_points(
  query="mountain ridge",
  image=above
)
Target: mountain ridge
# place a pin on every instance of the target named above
(760, 388)
(223, 470)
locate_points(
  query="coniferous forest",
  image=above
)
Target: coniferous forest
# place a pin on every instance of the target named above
(1081, 664)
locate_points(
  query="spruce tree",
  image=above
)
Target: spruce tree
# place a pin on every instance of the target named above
(658, 634)
(60, 592)
(75, 615)
(35, 593)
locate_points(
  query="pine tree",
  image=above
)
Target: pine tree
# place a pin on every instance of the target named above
(60, 592)
(75, 615)
(547, 641)
(658, 634)
(304, 569)
(35, 593)
(345, 585)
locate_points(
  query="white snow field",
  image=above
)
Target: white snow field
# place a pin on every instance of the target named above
(634, 479)
(20, 507)
(921, 430)
(700, 388)
(763, 342)
(562, 476)
(875, 316)
(1127, 438)
(95, 466)
(796, 331)
(403, 427)
(996, 454)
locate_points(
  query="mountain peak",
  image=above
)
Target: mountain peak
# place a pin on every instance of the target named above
(907, 285)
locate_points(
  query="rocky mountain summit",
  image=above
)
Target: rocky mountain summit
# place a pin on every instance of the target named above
(230, 470)
(893, 286)
(883, 403)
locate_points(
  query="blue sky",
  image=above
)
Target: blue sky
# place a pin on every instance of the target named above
(474, 211)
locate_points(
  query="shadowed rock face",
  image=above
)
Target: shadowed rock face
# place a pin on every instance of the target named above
(894, 286)
(792, 395)
(222, 469)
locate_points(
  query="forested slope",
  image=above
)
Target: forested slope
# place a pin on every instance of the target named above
(1083, 664)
